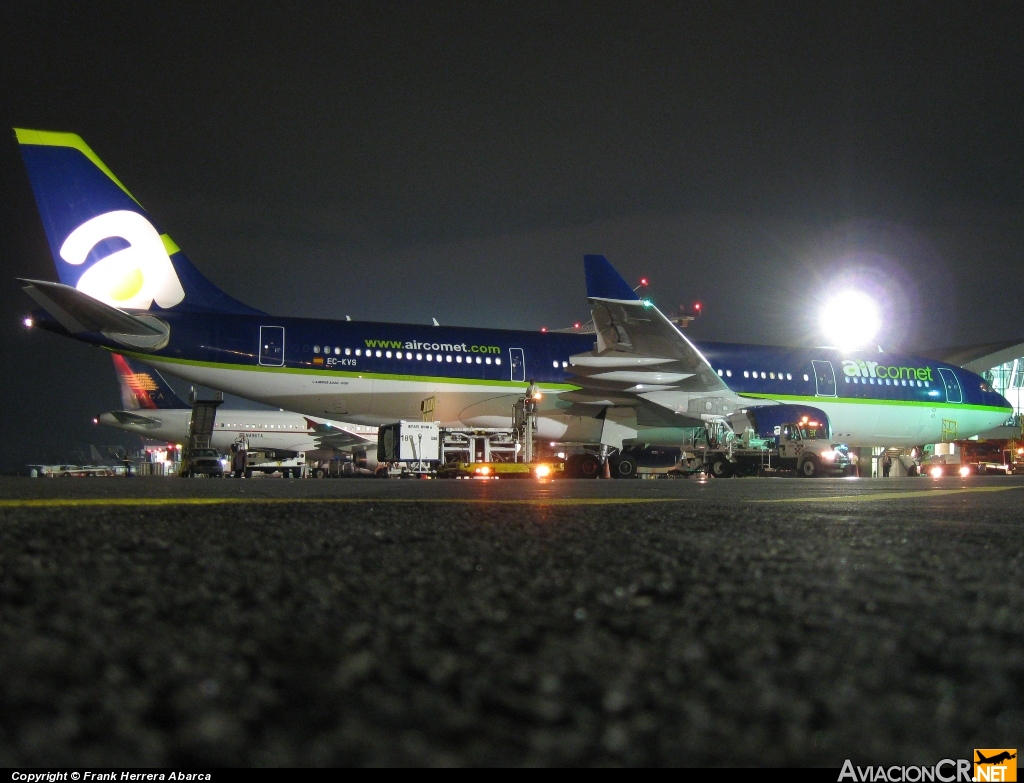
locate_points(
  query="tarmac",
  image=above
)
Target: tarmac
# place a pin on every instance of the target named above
(736, 622)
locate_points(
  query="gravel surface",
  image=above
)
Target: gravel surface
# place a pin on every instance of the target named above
(711, 628)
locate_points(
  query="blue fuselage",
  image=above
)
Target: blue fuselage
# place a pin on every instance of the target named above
(378, 372)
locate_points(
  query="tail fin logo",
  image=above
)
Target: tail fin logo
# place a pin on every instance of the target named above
(131, 278)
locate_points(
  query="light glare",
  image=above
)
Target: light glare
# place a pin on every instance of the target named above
(850, 320)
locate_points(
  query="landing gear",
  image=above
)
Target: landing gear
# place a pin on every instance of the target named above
(623, 467)
(583, 466)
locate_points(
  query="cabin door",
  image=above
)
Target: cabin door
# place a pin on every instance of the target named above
(949, 380)
(824, 378)
(517, 364)
(272, 346)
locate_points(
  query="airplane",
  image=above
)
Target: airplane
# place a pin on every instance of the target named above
(126, 286)
(153, 410)
(1003, 756)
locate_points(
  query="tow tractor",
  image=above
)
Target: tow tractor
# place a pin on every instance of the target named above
(803, 446)
(797, 443)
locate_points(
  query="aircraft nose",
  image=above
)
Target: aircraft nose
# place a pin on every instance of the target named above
(1000, 401)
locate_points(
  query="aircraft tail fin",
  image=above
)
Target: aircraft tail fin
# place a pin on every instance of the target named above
(604, 282)
(143, 388)
(103, 242)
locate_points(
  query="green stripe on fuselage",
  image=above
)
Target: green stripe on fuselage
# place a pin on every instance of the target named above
(862, 401)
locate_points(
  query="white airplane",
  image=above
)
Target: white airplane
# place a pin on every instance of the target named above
(154, 411)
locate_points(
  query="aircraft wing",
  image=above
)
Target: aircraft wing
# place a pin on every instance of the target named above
(329, 436)
(641, 356)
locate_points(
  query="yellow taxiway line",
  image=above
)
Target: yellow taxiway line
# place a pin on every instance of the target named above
(915, 493)
(80, 502)
(234, 501)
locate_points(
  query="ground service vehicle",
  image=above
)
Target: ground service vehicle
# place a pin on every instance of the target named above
(803, 446)
(288, 463)
(202, 462)
(425, 448)
(70, 471)
(974, 457)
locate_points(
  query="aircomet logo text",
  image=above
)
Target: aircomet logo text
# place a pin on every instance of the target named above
(415, 345)
(857, 368)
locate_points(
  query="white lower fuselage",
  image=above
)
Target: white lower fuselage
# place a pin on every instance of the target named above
(375, 401)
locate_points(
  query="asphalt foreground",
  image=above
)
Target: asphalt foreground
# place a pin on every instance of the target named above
(733, 622)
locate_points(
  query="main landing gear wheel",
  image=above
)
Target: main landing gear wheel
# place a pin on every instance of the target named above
(624, 467)
(809, 468)
(720, 467)
(590, 466)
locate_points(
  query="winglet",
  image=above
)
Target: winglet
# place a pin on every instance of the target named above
(603, 282)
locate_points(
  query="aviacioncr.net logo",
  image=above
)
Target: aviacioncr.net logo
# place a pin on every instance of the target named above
(133, 277)
(946, 771)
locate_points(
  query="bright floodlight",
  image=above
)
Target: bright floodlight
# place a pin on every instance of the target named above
(850, 320)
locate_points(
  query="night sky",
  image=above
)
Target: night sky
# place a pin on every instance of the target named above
(396, 162)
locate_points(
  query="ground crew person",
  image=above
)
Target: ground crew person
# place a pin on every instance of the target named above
(239, 456)
(532, 396)
(886, 466)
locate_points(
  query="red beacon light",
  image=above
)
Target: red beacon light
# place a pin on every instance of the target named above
(543, 328)
(644, 281)
(576, 325)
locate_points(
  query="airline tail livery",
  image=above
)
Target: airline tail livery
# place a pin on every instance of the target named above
(126, 286)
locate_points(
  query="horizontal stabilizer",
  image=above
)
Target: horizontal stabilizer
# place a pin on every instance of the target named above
(130, 417)
(603, 282)
(78, 312)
